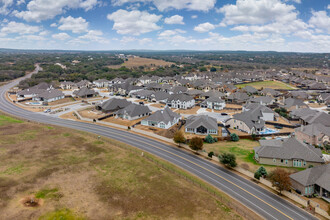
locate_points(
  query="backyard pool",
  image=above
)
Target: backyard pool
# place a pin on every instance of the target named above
(268, 131)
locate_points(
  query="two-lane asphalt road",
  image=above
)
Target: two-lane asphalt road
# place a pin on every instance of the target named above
(263, 202)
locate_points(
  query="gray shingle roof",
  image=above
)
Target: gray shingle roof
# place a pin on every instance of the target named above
(319, 175)
(114, 104)
(182, 97)
(289, 148)
(250, 118)
(49, 94)
(166, 115)
(314, 129)
(201, 120)
(134, 110)
(319, 117)
(84, 91)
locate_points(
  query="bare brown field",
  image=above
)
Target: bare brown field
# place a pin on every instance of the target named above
(140, 61)
(75, 175)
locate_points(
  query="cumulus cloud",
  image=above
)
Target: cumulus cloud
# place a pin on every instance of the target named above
(204, 27)
(161, 5)
(256, 12)
(19, 28)
(320, 20)
(134, 22)
(175, 19)
(39, 10)
(61, 36)
(76, 25)
(194, 16)
(94, 36)
(4, 4)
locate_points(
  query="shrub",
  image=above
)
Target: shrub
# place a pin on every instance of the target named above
(234, 137)
(254, 136)
(228, 159)
(179, 138)
(209, 139)
(210, 154)
(280, 179)
(261, 172)
(245, 166)
(196, 143)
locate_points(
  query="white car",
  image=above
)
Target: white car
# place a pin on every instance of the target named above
(47, 110)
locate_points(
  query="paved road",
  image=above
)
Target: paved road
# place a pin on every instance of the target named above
(267, 204)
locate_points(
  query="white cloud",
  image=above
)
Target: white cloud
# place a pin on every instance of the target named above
(204, 27)
(38, 10)
(175, 19)
(20, 2)
(134, 22)
(328, 6)
(257, 12)
(296, 1)
(320, 20)
(76, 25)
(94, 36)
(19, 28)
(4, 4)
(61, 36)
(161, 5)
(194, 16)
(53, 25)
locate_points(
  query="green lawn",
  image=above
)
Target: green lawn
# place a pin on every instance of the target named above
(243, 150)
(4, 120)
(267, 84)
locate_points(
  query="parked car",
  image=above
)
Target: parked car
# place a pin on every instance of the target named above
(225, 114)
(141, 103)
(47, 110)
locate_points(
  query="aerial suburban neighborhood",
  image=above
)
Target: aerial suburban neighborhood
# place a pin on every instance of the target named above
(165, 109)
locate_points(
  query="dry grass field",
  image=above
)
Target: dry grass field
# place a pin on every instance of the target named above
(267, 84)
(55, 173)
(140, 61)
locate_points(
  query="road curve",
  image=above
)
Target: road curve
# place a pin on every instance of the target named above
(263, 202)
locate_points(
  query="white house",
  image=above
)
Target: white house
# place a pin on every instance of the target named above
(181, 101)
(215, 103)
(162, 119)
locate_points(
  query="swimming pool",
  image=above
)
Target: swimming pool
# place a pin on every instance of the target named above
(268, 131)
(34, 103)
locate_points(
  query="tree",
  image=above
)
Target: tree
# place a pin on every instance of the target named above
(254, 136)
(213, 69)
(228, 159)
(209, 139)
(179, 138)
(196, 143)
(261, 172)
(202, 69)
(234, 137)
(210, 154)
(280, 179)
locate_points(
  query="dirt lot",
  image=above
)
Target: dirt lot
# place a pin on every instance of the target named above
(123, 121)
(168, 133)
(62, 101)
(91, 113)
(140, 61)
(74, 175)
(192, 111)
(158, 105)
(267, 84)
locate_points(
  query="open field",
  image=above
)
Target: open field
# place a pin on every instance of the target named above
(74, 175)
(140, 61)
(267, 84)
(243, 150)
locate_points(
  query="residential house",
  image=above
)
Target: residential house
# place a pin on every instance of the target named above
(238, 98)
(201, 124)
(288, 152)
(67, 85)
(215, 103)
(261, 111)
(314, 134)
(270, 92)
(250, 90)
(291, 104)
(165, 118)
(49, 96)
(132, 112)
(319, 117)
(314, 180)
(160, 97)
(85, 92)
(142, 94)
(101, 83)
(296, 114)
(248, 121)
(112, 105)
(262, 100)
(206, 95)
(324, 98)
(81, 84)
(181, 101)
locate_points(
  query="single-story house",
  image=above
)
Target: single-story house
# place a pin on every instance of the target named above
(262, 100)
(288, 152)
(250, 90)
(85, 92)
(133, 112)
(315, 180)
(315, 134)
(248, 121)
(238, 97)
(49, 96)
(260, 111)
(201, 124)
(112, 105)
(162, 119)
(292, 104)
(318, 117)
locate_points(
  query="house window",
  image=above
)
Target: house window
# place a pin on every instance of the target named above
(274, 160)
(281, 160)
(304, 163)
(162, 125)
(286, 161)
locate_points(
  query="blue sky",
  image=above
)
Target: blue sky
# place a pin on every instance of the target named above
(258, 25)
